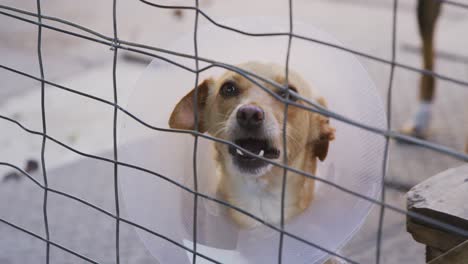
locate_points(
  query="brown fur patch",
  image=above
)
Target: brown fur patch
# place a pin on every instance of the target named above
(183, 116)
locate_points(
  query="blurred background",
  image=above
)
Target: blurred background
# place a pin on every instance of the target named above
(362, 25)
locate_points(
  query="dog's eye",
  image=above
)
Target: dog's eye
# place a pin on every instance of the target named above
(229, 89)
(283, 93)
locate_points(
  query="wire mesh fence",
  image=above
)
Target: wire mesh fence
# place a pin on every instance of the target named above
(116, 44)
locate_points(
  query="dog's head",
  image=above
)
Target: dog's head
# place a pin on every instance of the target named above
(233, 108)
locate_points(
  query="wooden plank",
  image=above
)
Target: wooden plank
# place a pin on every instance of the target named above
(433, 237)
(432, 253)
(457, 255)
(443, 197)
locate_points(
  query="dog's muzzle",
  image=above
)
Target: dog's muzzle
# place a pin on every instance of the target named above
(250, 136)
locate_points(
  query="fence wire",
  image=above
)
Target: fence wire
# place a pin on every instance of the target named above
(387, 139)
(114, 136)
(44, 128)
(117, 44)
(195, 140)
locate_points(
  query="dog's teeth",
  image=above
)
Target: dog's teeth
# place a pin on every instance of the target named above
(240, 152)
(261, 153)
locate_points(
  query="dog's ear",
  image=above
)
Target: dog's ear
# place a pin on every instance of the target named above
(321, 133)
(183, 117)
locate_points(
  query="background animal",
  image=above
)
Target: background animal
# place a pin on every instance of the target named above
(427, 13)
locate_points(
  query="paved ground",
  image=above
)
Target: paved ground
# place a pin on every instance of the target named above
(363, 25)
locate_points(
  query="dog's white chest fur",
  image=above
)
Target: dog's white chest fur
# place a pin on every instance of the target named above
(255, 196)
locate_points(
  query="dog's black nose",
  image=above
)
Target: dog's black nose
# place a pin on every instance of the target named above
(250, 116)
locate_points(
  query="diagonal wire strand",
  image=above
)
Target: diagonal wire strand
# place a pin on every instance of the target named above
(48, 241)
(180, 54)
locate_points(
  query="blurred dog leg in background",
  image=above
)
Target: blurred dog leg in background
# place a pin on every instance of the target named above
(427, 14)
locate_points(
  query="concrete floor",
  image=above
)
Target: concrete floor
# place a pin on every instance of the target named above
(363, 25)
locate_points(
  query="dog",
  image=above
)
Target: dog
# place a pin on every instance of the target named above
(234, 109)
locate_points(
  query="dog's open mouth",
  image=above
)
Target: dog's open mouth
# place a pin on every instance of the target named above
(260, 147)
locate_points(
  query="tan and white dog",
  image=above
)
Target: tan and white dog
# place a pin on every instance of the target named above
(233, 108)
